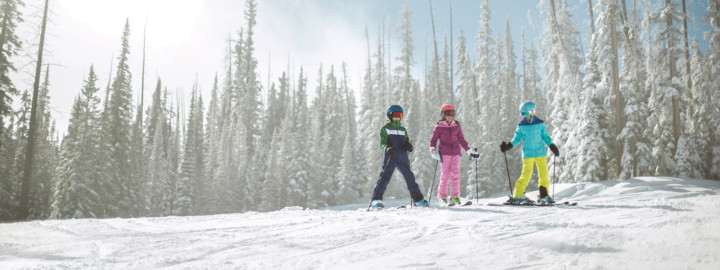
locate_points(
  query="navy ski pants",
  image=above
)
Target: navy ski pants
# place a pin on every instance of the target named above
(403, 165)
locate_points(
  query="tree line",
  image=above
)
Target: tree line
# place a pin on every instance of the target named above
(638, 101)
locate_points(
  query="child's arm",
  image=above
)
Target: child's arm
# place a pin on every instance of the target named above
(544, 135)
(518, 136)
(383, 138)
(463, 142)
(434, 138)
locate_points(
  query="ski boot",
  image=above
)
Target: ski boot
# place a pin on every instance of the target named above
(519, 200)
(377, 204)
(544, 198)
(422, 203)
(454, 201)
(443, 202)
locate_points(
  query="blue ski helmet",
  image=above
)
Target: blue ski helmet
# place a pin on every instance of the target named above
(526, 107)
(392, 109)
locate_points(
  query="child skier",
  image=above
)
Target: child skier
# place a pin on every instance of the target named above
(451, 138)
(533, 134)
(395, 143)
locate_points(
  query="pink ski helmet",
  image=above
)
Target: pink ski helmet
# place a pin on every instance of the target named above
(447, 107)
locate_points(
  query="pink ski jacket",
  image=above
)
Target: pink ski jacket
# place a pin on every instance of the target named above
(451, 138)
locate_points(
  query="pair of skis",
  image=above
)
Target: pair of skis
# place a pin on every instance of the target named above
(532, 203)
(456, 204)
(410, 206)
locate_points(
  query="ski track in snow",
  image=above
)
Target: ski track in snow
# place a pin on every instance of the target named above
(642, 223)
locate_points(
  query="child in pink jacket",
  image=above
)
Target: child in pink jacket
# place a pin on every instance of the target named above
(451, 138)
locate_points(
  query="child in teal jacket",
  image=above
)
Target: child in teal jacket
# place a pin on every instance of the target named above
(531, 131)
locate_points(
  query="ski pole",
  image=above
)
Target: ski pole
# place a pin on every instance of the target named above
(554, 171)
(476, 180)
(508, 174)
(433, 181)
(378, 181)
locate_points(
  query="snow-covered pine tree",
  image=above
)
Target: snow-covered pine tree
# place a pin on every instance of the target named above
(351, 183)
(368, 123)
(156, 147)
(8, 147)
(669, 88)
(509, 96)
(296, 190)
(445, 81)
(75, 194)
(525, 88)
(221, 159)
(161, 174)
(636, 151)
(151, 123)
(592, 148)
(467, 98)
(184, 203)
(599, 162)
(636, 155)
(275, 174)
(275, 123)
(318, 150)
(71, 187)
(468, 102)
(609, 19)
(22, 123)
(432, 104)
(138, 162)
(10, 45)
(686, 157)
(491, 179)
(333, 104)
(139, 170)
(692, 160)
(211, 139)
(402, 79)
(116, 191)
(45, 157)
(701, 116)
(249, 109)
(564, 81)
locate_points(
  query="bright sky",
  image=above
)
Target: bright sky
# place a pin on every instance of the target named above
(187, 39)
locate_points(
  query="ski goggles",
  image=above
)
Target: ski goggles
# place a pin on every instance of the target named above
(528, 113)
(449, 113)
(397, 114)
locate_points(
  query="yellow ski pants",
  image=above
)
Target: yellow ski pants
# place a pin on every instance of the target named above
(522, 182)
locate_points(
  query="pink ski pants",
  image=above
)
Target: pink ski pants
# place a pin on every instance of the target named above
(450, 173)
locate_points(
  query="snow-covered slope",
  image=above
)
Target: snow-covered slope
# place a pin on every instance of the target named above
(644, 223)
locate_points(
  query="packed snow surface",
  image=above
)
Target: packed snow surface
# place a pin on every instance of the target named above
(642, 223)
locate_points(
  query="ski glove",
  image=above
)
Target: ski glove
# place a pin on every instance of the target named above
(408, 146)
(389, 150)
(435, 154)
(505, 146)
(554, 149)
(473, 153)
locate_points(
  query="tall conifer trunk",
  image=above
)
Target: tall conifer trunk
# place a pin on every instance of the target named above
(27, 171)
(673, 73)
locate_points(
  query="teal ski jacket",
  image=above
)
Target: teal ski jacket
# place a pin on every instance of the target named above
(534, 137)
